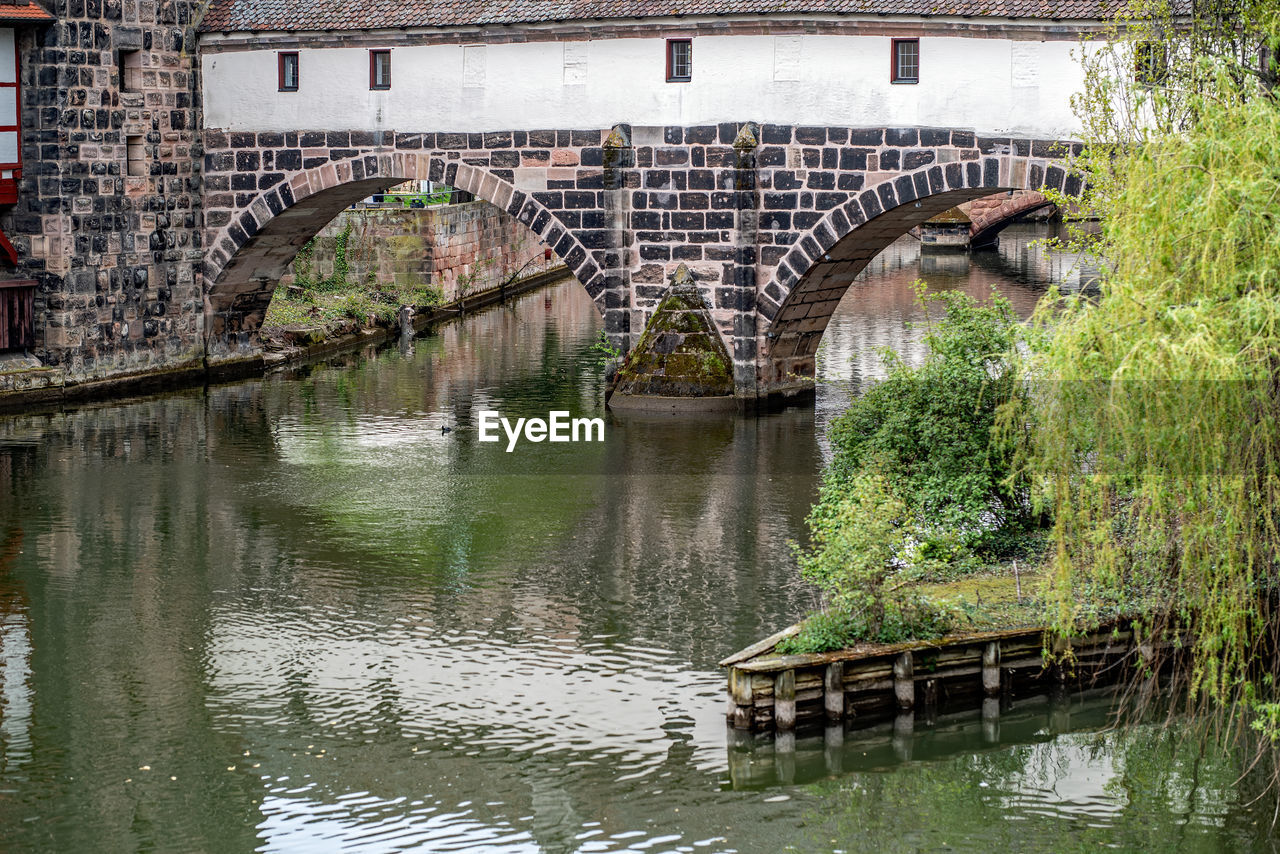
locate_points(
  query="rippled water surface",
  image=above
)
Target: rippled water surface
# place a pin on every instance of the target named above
(295, 615)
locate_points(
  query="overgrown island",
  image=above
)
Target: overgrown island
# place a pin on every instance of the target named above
(1118, 456)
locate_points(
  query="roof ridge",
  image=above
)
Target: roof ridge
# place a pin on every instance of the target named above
(287, 15)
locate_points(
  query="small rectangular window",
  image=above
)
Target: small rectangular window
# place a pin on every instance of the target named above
(906, 61)
(130, 71)
(679, 60)
(1150, 63)
(379, 69)
(136, 152)
(288, 71)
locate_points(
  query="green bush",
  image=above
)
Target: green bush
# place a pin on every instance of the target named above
(921, 481)
(860, 555)
(358, 306)
(857, 539)
(931, 432)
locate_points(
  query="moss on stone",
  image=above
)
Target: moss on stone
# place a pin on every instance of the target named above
(680, 353)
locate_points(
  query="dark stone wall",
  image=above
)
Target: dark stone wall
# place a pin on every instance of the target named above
(116, 255)
(773, 222)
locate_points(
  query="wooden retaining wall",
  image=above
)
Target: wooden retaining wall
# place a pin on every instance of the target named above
(874, 682)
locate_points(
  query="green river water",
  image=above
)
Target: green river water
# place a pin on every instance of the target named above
(293, 614)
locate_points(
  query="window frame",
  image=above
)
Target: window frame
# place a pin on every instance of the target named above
(297, 70)
(1150, 64)
(125, 67)
(374, 54)
(9, 183)
(893, 61)
(671, 76)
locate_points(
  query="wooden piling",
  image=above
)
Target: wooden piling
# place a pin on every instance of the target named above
(991, 669)
(741, 699)
(833, 691)
(929, 702)
(904, 684)
(784, 701)
(1061, 648)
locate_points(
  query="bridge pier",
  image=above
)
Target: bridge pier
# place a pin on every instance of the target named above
(746, 373)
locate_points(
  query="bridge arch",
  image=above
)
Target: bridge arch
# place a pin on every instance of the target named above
(249, 253)
(811, 279)
(992, 215)
(773, 221)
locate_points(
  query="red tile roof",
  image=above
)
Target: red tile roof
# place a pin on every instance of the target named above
(277, 15)
(23, 12)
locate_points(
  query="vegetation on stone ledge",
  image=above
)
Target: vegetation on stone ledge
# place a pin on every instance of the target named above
(368, 306)
(312, 301)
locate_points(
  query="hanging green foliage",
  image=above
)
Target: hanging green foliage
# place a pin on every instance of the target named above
(1158, 440)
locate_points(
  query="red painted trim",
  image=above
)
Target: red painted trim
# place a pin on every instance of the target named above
(17, 101)
(893, 61)
(373, 69)
(670, 55)
(297, 70)
(8, 250)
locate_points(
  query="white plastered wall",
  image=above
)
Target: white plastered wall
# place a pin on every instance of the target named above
(994, 86)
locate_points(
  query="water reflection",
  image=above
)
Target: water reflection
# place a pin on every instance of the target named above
(292, 614)
(880, 309)
(15, 660)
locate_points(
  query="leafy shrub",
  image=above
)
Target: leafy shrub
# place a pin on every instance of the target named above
(823, 631)
(859, 556)
(921, 482)
(931, 432)
(358, 306)
(428, 296)
(857, 538)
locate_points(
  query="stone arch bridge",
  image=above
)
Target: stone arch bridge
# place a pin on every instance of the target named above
(774, 150)
(774, 221)
(174, 156)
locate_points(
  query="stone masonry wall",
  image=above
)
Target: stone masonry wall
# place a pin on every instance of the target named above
(116, 256)
(755, 212)
(463, 248)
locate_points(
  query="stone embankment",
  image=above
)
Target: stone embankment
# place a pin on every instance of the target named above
(456, 249)
(463, 256)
